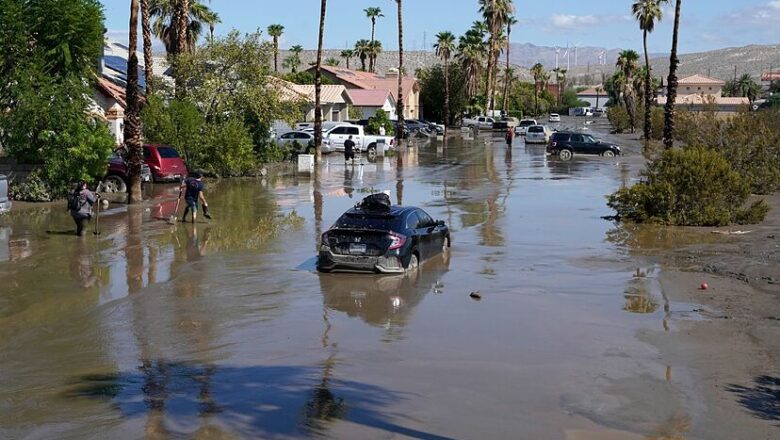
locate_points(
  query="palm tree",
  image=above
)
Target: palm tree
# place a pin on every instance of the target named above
(511, 21)
(362, 49)
(496, 13)
(400, 101)
(471, 54)
(373, 14)
(628, 64)
(212, 19)
(509, 77)
(445, 45)
(147, 37)
(748, 88)
(671, 83)
(347, 54)
(132, 130)
(332, 62)
(276, 31)
(318, 88)
(374, 49)
(647, 13)
(182, 24)
(292, 62)
(537, 71)
(166, 23)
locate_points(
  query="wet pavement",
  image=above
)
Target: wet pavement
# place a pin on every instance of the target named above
(224, 330)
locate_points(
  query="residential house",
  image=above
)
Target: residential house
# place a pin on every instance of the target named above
(110, 105)
(698, 91)
(368, 102)
(334, 99)
(595, 96)
(353, 79)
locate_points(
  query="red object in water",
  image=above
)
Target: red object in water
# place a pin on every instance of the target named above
(704, 286)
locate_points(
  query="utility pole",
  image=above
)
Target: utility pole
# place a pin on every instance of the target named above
(735, 73)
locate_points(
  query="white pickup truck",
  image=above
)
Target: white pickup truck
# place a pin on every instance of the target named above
(482, 122)
(337, 135)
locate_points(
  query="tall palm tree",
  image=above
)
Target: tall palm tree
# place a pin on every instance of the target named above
(318, 88)
(628, 64)
(537, 71)
(511, 21)
(276, 31)
(362, 49)
(400, 101)
(671, 83)
(747, 87)
(374, 49)
(212, 19)
(347, 54)
(166, 22)
(471, 54)
(293, 61)
(647, 13)
(132, 130)
(495, 13)
(146, 29)
(445, 45)
(181, 27)
(373, 14)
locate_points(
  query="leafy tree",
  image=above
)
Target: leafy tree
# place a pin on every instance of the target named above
(381, 119)
(433, 93)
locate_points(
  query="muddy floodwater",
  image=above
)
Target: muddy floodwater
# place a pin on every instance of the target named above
(223, 329)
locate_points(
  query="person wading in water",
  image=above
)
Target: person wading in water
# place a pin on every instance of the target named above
(80, 206)
(509, 136)
(349, 149)
(193, 192)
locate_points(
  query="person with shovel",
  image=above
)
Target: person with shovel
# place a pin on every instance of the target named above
(80, 206)
(193, 187)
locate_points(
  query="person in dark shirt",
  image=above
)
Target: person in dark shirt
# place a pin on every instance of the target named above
(193, 192)
(349, 149)
(80, 206)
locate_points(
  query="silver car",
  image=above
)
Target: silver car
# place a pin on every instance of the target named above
(304, 138)
(537, 134)
(5, 202)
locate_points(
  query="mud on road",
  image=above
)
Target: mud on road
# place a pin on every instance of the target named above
(586, 329)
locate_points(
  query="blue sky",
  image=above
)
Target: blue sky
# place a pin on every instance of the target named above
(706, 24)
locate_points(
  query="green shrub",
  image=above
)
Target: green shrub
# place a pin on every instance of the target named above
(618, 117)
(33, 189)
(688, 187)
(228, 149)
(380, 119)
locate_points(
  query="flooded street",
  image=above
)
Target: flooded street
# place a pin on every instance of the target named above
(225, 330)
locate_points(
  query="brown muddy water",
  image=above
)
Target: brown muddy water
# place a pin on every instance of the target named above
(224, 330)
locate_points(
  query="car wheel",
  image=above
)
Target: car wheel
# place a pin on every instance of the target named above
(446, 244)
(608, 153)
(414, 263)
(565, 154)
(114, 184)
(371, 151)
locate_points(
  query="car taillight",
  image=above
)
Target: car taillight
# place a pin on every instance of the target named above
(396, 240)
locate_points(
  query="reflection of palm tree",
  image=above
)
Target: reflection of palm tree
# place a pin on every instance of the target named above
(324, 405)
(134, 251)
(318, 206)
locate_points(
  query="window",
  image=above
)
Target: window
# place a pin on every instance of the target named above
(698, 88)
(589, 139)
(167, 152)
(425, 219)
(288, 135)
(301, 136)
(413, 222)
(339, 130)
(577, 138)
(353, 130)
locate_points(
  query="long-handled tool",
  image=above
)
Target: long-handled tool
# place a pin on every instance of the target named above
(97, 210)
(172, 218)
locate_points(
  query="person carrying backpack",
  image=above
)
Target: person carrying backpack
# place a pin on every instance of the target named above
(80, 206)
(193, 193)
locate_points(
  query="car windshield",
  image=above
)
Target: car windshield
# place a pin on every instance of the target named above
(536, 129)
(526, 123)
(363, 220)
(589, 139)
(167, 152)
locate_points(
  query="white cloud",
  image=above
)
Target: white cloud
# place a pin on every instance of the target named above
(765, 15)
(774, 5)
(563, 21)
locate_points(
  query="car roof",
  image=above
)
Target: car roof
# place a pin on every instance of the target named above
(394, 211)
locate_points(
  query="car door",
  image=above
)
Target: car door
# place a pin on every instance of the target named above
(413, 226)
(592, 145)
(577, 143)
(356, 138)
(337, 137)
(434, 234)
(286, 138)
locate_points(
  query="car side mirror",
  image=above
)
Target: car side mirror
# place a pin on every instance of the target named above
(440, 223)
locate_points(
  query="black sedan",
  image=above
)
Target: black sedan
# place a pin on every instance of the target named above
(381, 240)
(565, 144)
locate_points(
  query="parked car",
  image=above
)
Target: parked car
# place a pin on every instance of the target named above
(336, 137)
(599, 112)
(482, 122)
(506, 122)
(537, 134)
(554, 117)
(165, 163)
(304, 139)
(389, 239)
(413, 125)
(5, 202)
(522, 127)
(326, 126)
(565, 144)
(117, 177)
(583, 111)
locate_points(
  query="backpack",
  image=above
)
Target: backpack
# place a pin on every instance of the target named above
(376, 202)
(74, 201)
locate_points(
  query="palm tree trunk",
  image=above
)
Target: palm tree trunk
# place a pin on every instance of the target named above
(648, 132)
(506, 77)
(446, 95)
(276, 54)
(671, 86)
(132, 130)
(181, 26)
(348, 63)
(400, 102)
(318, 88)
(147, 36)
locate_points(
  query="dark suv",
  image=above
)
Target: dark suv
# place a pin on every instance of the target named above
(566, 143)
(381, 240)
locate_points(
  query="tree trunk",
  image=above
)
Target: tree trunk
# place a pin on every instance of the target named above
(276, 54)
(318, 88)
(446, 95)
(671, 85)
(506, 75)
(400, 103)
(132, 130)
(648, 131)
(147, 36)
(348, 63)
(181, 26)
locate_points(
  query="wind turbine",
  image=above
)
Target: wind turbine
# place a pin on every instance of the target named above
(576, 45)
(566, 54)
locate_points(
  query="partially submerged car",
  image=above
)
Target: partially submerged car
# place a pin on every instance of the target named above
(538, 134)
(165, 163)
(566, 143)
(522, 127)
(375, 237)
(117, 176)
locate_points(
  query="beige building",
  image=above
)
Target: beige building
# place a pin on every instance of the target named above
(697, 91)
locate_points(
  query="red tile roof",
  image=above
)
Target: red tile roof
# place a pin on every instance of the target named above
(112, 90)
(366, 80)
(697, 99)
(701, 79)
(368, 98)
